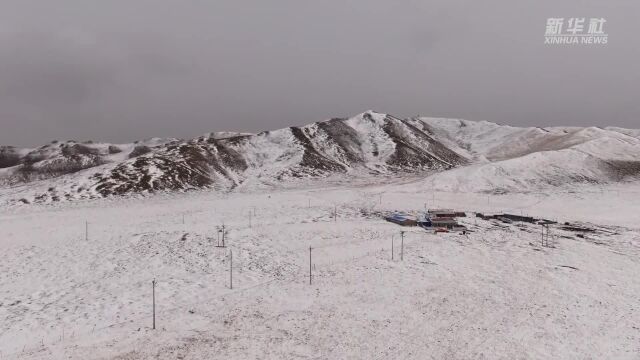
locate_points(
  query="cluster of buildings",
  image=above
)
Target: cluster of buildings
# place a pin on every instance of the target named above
(446, 220)
(509, 218)
(434, 219)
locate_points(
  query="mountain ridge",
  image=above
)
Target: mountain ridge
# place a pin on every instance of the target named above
(368, 144)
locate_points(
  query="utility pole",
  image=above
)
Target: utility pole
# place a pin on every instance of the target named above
(86, 230)
(545, 235)
(402, 246)
(249, 218)
(153, 285)
(221, 230)
(309, 265)
(230, 269)
(392, 247)
(335, 213)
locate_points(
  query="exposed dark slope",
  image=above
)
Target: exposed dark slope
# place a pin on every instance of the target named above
(315, 150)
(63, 158)
(410, 148)
(369, 143)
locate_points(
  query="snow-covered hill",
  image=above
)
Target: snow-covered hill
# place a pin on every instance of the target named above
(55, 159)
(451, 154)
(512, 159)
(492, 293)
(369, 144)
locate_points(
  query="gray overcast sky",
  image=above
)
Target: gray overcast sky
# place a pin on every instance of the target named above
(120, 70)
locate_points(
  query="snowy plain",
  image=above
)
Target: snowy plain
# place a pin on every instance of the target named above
(494, 293)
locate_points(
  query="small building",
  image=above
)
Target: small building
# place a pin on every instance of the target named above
(577, 228)
(401, 219)
(507, 218)
(445, 213)
(520, 218)
(545, 222)
(486, 216)
(448, 223)
(425, 222)
(504, 219)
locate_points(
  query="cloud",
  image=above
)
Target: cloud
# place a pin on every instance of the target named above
(123, 70)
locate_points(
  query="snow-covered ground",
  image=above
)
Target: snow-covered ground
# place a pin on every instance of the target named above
(494, 293)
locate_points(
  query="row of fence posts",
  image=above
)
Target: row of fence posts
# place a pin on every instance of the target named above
(252, 213)
(222, 230)
(392, 254)
(153, 283)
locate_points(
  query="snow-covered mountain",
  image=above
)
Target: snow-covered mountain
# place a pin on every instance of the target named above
(19, 165)
(452, 155)
(367, 144)
(513, 159)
